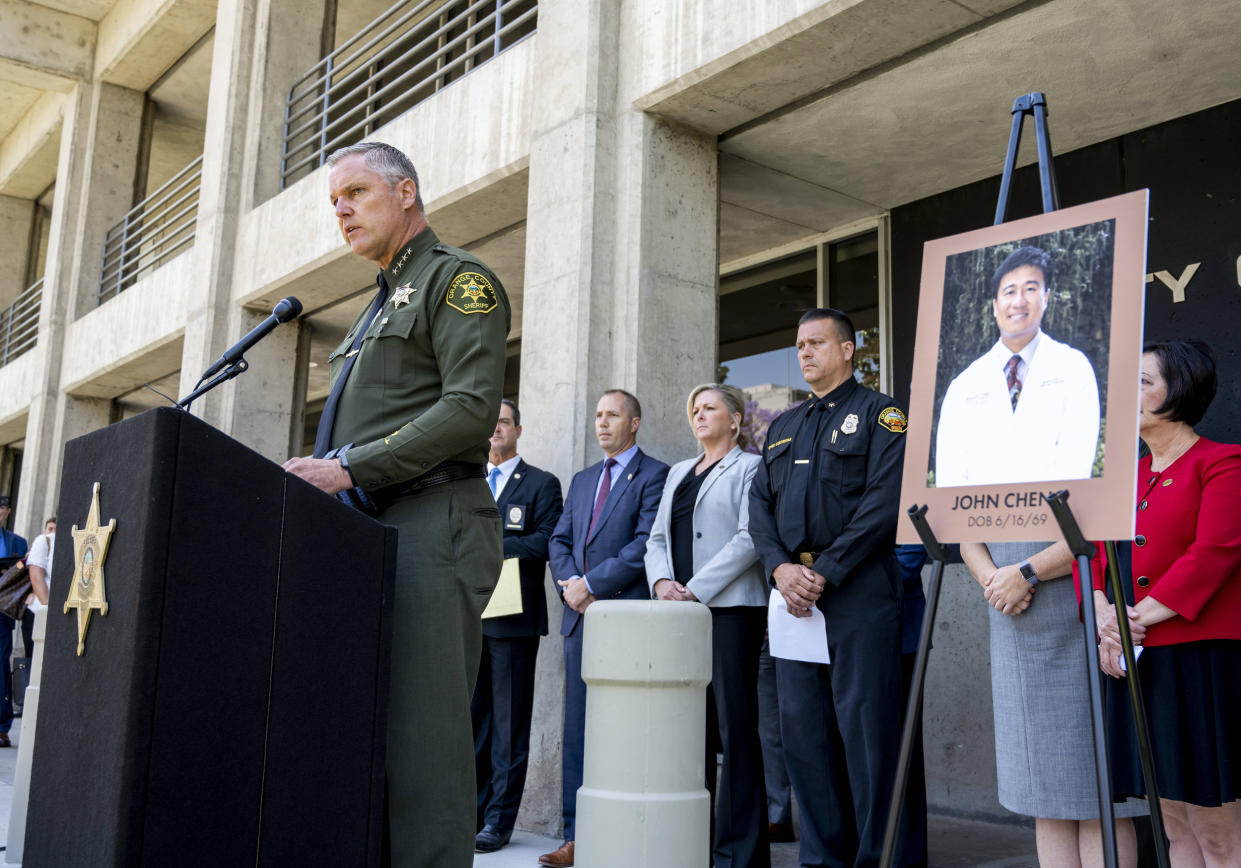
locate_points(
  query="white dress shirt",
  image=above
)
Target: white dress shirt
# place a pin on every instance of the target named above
(506, 470)
(1051, 435)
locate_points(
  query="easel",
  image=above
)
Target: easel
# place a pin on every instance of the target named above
(1035, 104)
(1083, 550)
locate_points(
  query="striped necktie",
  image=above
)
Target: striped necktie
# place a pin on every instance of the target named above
(1014, 381)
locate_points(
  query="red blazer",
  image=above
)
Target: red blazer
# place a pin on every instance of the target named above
(1187, 551)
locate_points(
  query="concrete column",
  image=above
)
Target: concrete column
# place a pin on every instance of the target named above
(16, 220)
(262, 408)
(16, 843)
(109, 141)
(257, 407)
(643, 799)
(94, 189)
(291, 36)
(620, 281)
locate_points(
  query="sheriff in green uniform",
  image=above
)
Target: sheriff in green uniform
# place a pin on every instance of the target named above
(416, 388)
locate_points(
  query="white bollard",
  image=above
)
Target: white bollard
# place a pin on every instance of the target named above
(25, 747)
(643, 801)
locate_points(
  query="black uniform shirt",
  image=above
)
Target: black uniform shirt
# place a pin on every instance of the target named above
(830, 482)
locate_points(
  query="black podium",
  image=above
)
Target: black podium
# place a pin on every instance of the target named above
(230, 707)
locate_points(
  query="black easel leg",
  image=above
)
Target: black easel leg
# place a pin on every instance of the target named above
(913, 708)
(1145, 750)
(1029, 104)
(1010, 163)
(1083, 550)
(1103, 771)
(1046, 175)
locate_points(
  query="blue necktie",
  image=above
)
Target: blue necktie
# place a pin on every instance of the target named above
(323, 437)
(492, 478)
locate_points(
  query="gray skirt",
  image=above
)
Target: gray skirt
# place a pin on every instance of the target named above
(1044, 754)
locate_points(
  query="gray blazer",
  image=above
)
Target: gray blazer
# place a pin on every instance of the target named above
(726, 567)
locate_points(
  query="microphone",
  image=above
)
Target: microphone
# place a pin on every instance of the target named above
(286, 310)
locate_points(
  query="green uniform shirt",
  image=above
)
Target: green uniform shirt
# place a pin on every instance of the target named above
(427, 380)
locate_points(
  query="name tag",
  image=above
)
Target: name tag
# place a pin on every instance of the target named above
(801, 460)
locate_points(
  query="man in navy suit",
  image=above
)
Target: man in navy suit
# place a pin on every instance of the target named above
(530, 504)
(597, 553)
(12, 546)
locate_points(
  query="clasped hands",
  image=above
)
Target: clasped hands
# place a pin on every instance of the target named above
(800, 586)
(673, 591)
(1110, 649)
(1007, 592)
(577, 595)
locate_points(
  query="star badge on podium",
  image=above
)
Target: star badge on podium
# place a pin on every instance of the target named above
(90, 547)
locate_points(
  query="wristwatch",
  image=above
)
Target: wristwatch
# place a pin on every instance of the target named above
(1027, 573)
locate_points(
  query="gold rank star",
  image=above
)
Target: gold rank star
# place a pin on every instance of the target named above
(90, 547)
(401, 295)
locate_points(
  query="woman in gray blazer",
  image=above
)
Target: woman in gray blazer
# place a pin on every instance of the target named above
(700, 550)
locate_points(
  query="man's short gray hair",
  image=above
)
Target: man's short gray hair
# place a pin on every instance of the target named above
(385, 161)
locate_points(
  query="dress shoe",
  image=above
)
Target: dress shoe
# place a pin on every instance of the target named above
(561, 858)
(4, 742)
(780, 833)
(491, 838)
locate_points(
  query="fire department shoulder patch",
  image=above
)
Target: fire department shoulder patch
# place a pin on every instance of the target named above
(893, 419)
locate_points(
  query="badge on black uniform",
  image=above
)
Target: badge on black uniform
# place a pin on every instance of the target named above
(516, 518)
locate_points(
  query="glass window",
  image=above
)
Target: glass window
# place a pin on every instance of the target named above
(759, 309)
(853, 286)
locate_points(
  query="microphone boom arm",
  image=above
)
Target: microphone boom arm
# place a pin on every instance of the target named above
(233, 370)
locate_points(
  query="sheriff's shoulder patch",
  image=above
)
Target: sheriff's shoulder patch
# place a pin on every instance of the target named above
(470, 292)
(893, 419)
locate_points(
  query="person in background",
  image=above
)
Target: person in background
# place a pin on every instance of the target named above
(12, 547)
(530, 504)
(913, 607)
(823, 510)
(700, 551)
(775, 775)
(1044, 753)
(39, 564)
(1184, 569)
(596, 552)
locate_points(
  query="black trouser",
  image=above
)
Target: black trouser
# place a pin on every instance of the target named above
(740, 807)
(841, 727)
(502, 707)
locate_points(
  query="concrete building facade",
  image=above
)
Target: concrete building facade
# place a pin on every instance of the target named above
(662, 185)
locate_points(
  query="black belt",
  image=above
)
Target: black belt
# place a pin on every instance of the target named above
(445, 471)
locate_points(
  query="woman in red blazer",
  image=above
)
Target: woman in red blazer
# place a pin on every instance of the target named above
(1186, 573)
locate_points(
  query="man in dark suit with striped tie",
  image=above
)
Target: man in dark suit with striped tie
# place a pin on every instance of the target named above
(530, 504)
(597, 553)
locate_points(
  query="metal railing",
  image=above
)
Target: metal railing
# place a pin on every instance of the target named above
(398, 60)
(155, 230)
(19, 323)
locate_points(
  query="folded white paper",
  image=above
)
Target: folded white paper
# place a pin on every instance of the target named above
(793, 638)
